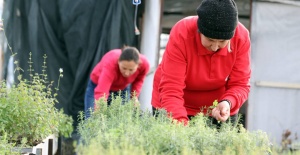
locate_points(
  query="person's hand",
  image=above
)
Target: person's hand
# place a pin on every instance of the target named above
(222, 111)
(136, 102)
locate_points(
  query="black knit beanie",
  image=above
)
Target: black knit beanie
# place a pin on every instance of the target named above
(217, 18)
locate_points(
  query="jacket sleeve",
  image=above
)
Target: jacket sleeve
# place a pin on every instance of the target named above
(104, 83)
(238, 85)
(138, 82)
(173, 73)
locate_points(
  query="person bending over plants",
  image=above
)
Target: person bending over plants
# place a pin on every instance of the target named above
(207, 58)
(121, 72)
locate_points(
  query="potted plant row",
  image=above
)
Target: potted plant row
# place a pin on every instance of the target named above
(126, 129)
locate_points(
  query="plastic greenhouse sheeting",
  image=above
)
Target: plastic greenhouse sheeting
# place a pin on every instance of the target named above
(74, 35)
(275, 83)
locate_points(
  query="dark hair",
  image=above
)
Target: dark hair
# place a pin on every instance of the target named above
(130, 54)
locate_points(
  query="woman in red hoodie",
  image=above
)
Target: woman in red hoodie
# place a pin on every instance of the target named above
(120, 70)
(207, 58)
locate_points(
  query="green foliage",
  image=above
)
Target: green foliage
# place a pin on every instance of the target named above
(5, 147)
(28, 113)
(125, 129)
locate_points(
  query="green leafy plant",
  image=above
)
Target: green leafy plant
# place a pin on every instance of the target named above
(5, 146)
(125, 129)
(27, 110)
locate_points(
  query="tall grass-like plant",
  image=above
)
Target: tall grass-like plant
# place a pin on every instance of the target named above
(125, 129)
(27, 110)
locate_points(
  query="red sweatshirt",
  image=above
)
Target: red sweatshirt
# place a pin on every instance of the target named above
(190, 77)
(106, 74)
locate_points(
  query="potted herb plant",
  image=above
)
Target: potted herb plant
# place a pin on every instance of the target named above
(27, 111)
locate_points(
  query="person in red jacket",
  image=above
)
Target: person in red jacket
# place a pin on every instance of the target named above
(119, 69)
(207, 58)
